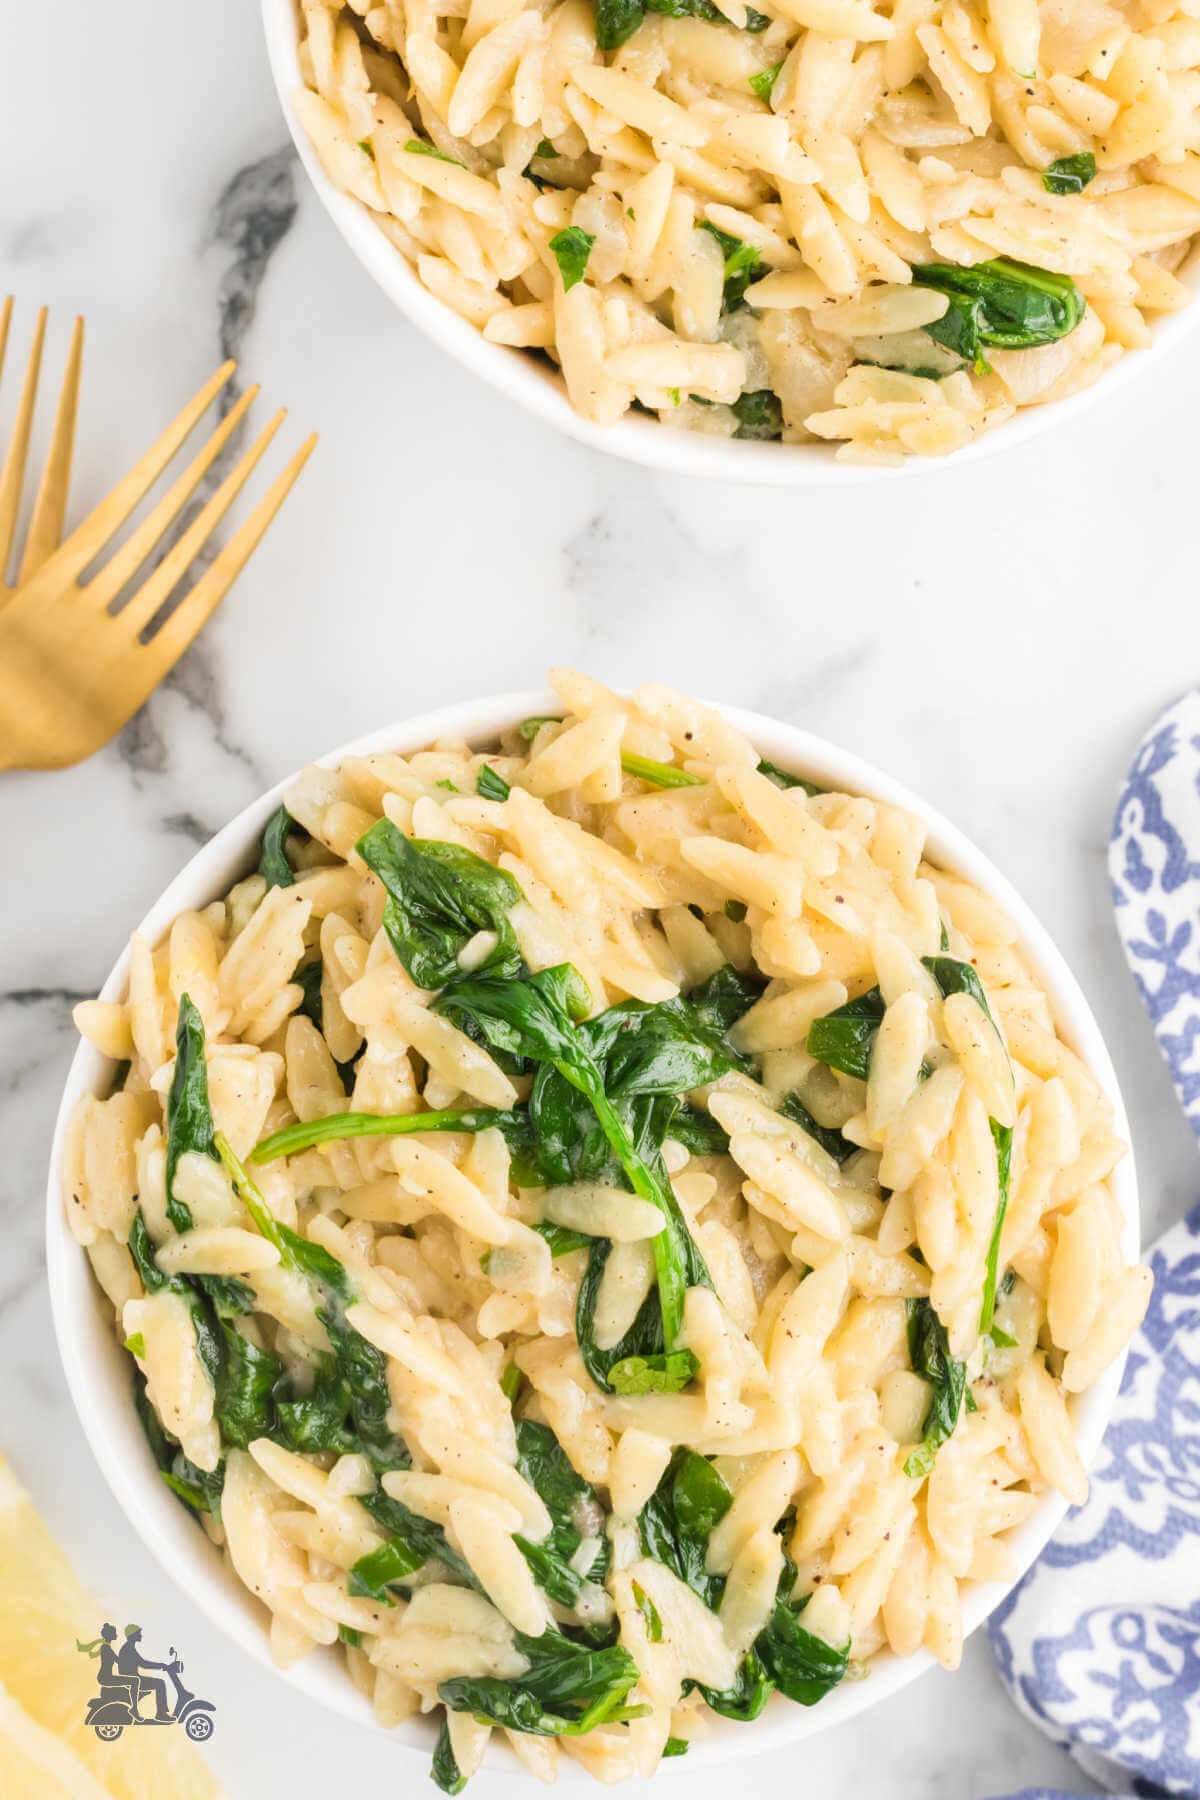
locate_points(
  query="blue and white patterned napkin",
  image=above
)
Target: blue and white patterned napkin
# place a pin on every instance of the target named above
(1100, 1644)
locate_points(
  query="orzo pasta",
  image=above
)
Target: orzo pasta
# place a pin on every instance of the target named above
(604, 1229)
(888, 223)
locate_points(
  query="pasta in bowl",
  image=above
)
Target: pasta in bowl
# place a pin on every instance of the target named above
(889, 231)
(605, 1221)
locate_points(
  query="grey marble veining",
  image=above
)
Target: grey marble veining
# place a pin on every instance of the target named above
(997, 636)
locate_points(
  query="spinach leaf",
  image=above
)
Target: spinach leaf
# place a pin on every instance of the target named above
(377, 1571)
(742, 266)
(243, 1408)
(273, 863)
(1000, 305)
(439, 897)
(416, 147)
(644, 1338)
(676, 1747)
(929, 1353)
(802, 1665)
(1003, 1138)
(334, 1126)
(315, 1421)
(566, 1691)
(445, 1772)
(675, 1525)
(573, 1505)
(1069, 174)
(720, 1001)
(745, 1700)
(359, 1369)
(665, 1373)
(617, 20)
(197, 1489)
(412, 1542)
(954, 976)
(572, 246)
(762, 83)
(243, 1376)
(676, 1522)
(200, 1489)
(663, 775)
(759, 414)
(536, 1019)
(490, 785)
(561, 1239)
(649, 1612)
(308, 978)
(845, 1038)
(783, 778)
(529, 728)
(831, 1141)
(189, 1116)
(698, 1132)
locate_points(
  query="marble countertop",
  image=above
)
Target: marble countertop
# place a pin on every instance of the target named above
(998, 636)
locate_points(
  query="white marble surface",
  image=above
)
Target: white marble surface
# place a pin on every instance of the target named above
(999, 636)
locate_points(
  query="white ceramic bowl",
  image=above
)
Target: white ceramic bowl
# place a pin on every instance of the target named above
(534, 384)
(97, 1368)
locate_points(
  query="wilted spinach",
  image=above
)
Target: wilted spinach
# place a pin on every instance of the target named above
(759, 414)
(742, 266)
(929, 1353)
(675, 1526)
(845, 1038)
(439, 897)
(189, 1116)
(566, 1691)
(663, 775)
(831, 1141)
(412, 1541)
(572, 1504)
(274, 864)
(762, 83)
(538, 1021)
(954, 976)
(999, 305)
(1069, 174)
(491, 785)
(783, 778)
(305, 1133)
(445, 1772)
(572, 246)
(617, 20)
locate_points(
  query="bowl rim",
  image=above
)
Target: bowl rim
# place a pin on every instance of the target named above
(646, 442)
(97, 1368)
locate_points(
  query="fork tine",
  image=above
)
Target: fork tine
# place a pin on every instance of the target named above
(50, 507)
(107, 583)
(89, 537)
(12, 477)
(157, 588)
(168, 645)
(5, 320)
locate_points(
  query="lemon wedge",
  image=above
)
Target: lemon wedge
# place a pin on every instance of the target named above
(46, 1750)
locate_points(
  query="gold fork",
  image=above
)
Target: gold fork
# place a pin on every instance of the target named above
(71, 671)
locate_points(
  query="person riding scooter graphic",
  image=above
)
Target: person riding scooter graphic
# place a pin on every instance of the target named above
(124, 1683)
(130, 1662)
